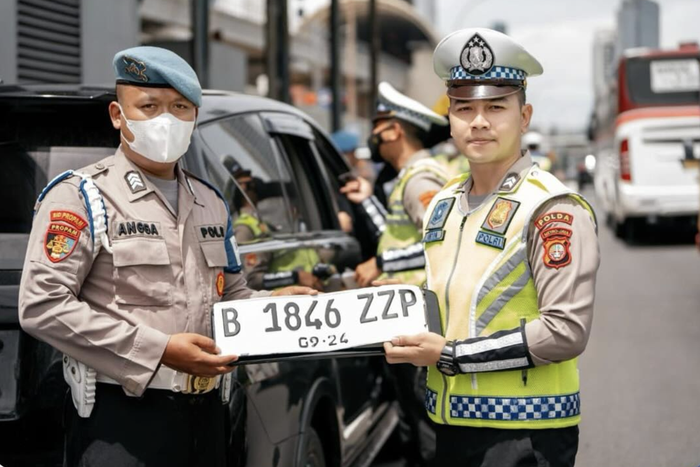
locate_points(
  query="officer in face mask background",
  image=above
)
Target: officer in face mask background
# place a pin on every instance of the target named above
(132, 304)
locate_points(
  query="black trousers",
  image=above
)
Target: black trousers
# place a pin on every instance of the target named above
(162, 428)
(488, 447)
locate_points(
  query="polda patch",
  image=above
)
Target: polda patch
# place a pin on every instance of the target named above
(551, 217)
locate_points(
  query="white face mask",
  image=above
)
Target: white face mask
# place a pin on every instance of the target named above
(163, 139)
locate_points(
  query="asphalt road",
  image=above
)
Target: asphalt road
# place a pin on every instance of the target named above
(640, 374)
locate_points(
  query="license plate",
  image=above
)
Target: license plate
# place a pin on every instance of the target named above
(302, 325)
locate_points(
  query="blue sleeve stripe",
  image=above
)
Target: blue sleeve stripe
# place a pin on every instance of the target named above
(89, 212)
(56, 180)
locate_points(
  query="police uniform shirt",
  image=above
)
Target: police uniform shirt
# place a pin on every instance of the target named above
(565, 295)
(420, 189)
(115, 312)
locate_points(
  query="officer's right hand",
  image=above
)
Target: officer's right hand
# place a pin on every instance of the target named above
(196, 355)
(357, 190)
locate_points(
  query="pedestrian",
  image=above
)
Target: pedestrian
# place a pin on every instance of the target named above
(125, 260)
(512, 255)
(400, 126)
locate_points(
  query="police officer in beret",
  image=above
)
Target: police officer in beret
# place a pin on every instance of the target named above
(512, 255)
(125, 260)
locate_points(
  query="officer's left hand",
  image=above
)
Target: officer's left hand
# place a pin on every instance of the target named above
(366, 272)
(420, 349)
(294, 290)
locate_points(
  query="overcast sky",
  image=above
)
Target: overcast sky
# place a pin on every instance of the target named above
(560, 34)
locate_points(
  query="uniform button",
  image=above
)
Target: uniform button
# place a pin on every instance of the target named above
(99, 166)
(176, 388)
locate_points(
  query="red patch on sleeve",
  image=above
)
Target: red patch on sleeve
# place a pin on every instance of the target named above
(551, 217)
(557, 253)
(60, 241)
(69, 218)
(426, 197)
(220, 284)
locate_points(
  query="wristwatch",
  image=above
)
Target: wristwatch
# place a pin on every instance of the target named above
(446, 363)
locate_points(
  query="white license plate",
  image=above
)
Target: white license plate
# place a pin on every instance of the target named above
(321, 323)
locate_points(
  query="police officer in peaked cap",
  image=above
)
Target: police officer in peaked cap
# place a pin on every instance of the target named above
(512, 255)
(125, 260)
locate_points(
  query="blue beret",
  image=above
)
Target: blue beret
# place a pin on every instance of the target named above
(157, 67)
(345, 141)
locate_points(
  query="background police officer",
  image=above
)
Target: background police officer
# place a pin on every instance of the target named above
(133, 304)
(401, 125)
(512, 255)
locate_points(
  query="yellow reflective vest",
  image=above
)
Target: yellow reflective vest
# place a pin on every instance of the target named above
(400, 230)
(477, 264)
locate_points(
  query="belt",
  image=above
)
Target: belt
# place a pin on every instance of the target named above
(171, 380)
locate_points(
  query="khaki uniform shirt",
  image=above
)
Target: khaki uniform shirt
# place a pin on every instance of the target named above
(565, 295)
(115, 312)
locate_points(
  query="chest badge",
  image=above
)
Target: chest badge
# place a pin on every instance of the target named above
(501, 215)
(440, 213)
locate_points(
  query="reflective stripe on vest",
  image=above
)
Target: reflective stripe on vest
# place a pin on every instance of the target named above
(483, 289)
(400, 231)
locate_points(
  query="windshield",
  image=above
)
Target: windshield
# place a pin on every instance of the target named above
(664, 81)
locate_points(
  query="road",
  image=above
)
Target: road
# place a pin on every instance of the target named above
(640, 374)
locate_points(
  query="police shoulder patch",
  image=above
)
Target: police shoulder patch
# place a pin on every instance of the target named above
(551, 217)
(60, 241)
(500, 216)
(557, 253)
(440, 213)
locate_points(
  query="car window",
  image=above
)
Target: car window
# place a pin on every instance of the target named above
(241, 159)
(39, 140)
(319, 195)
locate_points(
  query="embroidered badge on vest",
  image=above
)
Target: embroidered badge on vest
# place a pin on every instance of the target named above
(220, 284)
(440, 212)
(501, 215)
(211, 232)
(137, 229)
(556, 247)
(492, 240)
(133, 179)
(436, 235)
(549, 218)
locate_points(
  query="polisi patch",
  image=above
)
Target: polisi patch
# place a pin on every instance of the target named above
(492, 240)
(60, 241)
(211, 232)
(436, 235)
(551, 217)
(440, 213)
(69, 218)
(138, 228)
(556, 247)
(500, 216)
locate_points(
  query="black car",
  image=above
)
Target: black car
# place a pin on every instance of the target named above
(332, 412)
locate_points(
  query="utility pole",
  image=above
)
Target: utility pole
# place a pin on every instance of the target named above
(199, 15)
(277, 45)
(336, 103)
(374, 53)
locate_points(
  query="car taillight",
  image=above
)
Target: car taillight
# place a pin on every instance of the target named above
(625, 173)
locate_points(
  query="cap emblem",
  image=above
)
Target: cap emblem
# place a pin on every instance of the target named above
(135, 68)
(477, 56)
